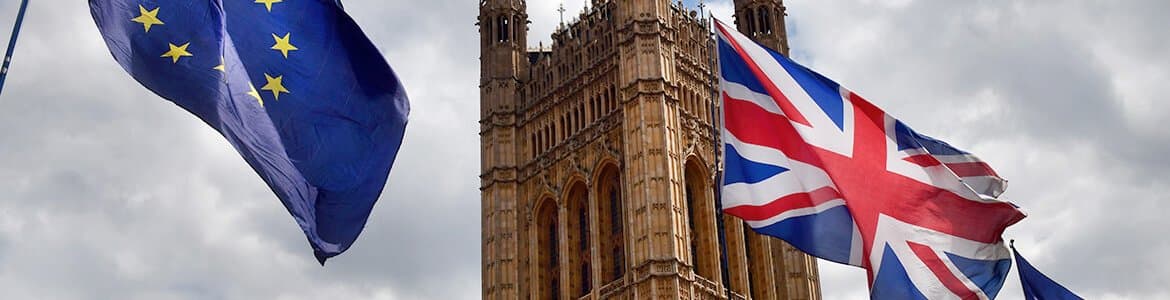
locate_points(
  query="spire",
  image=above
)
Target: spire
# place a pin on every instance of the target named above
(562, 11)
(702, 6)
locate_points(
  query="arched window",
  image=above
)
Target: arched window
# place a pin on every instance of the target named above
(765, 21)
(601, 103)
(751, 21)
(613, 101)
(503, 28)
(692, 102)
(580, 113)
(548, 137)
(704, 108)
(579, 257)
(598, 102)
(612, 221)
(548, 252)
(701, 218)
(593, 109)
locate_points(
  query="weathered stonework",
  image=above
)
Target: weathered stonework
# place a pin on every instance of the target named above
(598, 156)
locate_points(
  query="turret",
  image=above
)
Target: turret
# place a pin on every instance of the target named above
(763, 21)
(503, 31)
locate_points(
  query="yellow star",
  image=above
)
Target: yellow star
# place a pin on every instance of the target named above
(275, 85)
(283, 45)
(268, 3)
(148, 18)
(177, 52)
(255, 94)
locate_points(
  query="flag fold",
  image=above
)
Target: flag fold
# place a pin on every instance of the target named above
(294, 86)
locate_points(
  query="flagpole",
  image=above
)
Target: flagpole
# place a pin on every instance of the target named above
(716, 122)
(12, 43)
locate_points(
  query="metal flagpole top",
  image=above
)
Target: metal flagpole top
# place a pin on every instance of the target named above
(12, 44)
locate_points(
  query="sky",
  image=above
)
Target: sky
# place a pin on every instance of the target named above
(110, 192)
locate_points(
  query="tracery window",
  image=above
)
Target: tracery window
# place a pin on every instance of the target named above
(579, 256)
(612, 225)
(701, 218)
(548, 252)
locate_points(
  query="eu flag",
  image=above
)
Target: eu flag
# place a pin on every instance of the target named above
(294, 86)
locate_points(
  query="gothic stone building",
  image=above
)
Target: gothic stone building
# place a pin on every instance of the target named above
(597, 159)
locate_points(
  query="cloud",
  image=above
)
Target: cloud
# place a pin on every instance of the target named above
(111, 192)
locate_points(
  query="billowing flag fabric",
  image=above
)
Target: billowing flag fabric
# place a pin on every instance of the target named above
(1038, 286)
(294, 86)
(814, 164)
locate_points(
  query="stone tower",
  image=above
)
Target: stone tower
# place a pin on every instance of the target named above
(597, 160)
(763, 21)
(503, 34)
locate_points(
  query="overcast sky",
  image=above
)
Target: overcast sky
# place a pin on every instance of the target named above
(109, 192)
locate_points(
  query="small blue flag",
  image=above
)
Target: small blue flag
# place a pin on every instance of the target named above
(294, 86)
(1037, 286)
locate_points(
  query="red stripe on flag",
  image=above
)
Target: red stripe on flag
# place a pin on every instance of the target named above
(972, 169)
(923, 160)
(786, 203)
(752, 124)
(940, 270)
(777, 95)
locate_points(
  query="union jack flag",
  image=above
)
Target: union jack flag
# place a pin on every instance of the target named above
(814, 164)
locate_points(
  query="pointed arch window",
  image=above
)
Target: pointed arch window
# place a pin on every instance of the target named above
(765, 21)
(502, 28)
(701, 218)
(617, 229)
(580, 262)
(548, 251)
(612, 221)
(585, 267)
(751, 21)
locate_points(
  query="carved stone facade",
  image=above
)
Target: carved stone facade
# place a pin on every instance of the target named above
(598, 156)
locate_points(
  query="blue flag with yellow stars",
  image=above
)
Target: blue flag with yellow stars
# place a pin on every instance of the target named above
(294, 85)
